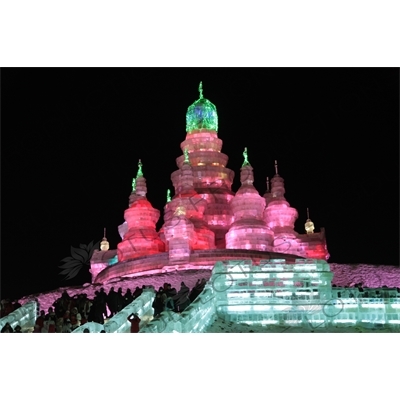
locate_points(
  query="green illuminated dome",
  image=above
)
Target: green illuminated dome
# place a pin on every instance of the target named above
(202, 114)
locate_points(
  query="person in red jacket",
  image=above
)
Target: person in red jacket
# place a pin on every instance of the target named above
(134, 320)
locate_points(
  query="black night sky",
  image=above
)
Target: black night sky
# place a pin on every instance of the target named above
(71, 140)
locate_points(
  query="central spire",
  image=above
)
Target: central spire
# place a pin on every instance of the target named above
(140, 172)
(201, 90)
(246, 159)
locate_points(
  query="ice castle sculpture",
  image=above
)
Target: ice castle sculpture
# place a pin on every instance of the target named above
(205, 221)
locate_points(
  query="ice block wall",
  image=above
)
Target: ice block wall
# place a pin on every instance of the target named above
(24, 316)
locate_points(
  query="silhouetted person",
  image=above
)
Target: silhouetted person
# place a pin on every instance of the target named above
(138, 291)
(128, 298)
(135, 321)
(86, 330)
(158, 304)
(112, 302)
(7, 328)
(120, 300)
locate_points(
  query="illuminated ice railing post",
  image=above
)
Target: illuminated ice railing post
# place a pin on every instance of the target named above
(24, 316)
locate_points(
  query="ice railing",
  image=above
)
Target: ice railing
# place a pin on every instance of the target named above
(119, 323)
(194, 319)
(278, 293)
(24, 316)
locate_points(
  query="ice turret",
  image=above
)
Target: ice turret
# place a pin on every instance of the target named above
(141, 237)
(249, 230)
(194, 205)
(279, 216)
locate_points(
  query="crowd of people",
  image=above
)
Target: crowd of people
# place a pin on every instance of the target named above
(69, 312)
(169, 299)
(7, 307)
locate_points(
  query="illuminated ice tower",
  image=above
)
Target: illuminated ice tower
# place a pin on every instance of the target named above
(141, 238)
(280, 217)
(248, 231)
(212, 180)
(183, 214)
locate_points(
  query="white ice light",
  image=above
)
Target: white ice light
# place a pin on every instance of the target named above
(344, 321)
(372, 305)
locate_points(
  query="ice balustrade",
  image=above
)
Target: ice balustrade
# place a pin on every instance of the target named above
(194, 319)
(143, 306)
(93, 327)
(24, 316)
(274, 292)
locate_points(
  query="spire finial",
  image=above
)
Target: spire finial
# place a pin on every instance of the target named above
(134, 185)
(104, 245)
(268, 184)
(201, 90)
(309, 225)
(168, 195)
(140, 172)
(186, 154)
(246, 159)
(276, 167)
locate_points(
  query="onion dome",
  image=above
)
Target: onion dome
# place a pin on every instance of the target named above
(202, 114)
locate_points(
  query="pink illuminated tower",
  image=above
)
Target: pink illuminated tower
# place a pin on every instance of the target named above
(280, 217)
(141, 238)
(249, 230)
(212, 180)
(187, 204)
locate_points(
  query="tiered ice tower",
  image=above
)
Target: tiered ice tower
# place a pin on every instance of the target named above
(141, 238)
(249, 230)
(184, 226)
(280, 217)
(212, 180)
